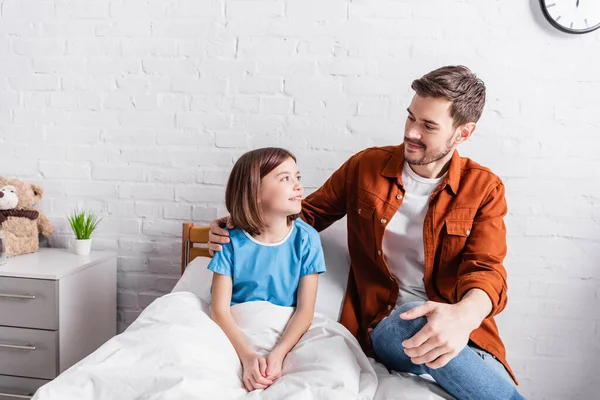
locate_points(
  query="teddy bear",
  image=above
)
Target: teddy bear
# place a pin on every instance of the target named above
(20, 223)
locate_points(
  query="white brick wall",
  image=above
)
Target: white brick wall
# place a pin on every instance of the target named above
(137, 109)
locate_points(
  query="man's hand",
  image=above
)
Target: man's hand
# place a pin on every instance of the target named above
(447, 330)
(254, 369)
(218, 235)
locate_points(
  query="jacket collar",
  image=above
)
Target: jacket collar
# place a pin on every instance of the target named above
(393, 169)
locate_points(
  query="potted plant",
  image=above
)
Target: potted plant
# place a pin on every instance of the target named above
(83, 224)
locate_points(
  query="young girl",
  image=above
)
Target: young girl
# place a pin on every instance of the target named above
(271, 256)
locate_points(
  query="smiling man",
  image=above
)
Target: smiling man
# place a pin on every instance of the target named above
(427, 241)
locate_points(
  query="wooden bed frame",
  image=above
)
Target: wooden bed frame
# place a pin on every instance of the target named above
(193, 234)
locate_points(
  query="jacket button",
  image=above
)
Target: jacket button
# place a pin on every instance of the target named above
(399, 197)
(383, 220)
(370, 330)
(468, 232)
(389, 307)
(359, 210)
(379, 252)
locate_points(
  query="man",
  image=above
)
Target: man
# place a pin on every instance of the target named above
(427, 240)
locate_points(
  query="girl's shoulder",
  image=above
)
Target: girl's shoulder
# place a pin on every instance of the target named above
(236, 235)
(306, 231)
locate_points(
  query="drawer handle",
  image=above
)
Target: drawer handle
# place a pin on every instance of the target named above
(18, 296)
(16, 347)
(16, 396)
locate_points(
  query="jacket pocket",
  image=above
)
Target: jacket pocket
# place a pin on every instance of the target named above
(361, 208)
(454, 242)
(454, 237)
(459, 227)
(361, 229)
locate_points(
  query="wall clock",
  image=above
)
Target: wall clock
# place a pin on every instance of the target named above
(572, 16)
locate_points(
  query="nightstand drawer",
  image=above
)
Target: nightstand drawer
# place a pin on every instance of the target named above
(29, 303)
(12, 388)
(28, 352)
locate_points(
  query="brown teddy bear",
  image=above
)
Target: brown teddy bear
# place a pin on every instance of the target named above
(20, 223)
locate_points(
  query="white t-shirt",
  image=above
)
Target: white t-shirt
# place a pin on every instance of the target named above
(403, 239)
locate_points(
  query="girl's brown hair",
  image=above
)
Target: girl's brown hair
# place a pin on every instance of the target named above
(243, 187)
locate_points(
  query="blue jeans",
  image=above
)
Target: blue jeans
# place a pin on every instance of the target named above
(472, 374)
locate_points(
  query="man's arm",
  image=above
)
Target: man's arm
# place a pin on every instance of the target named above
(480, 289)
(482, 265)
(328, 204)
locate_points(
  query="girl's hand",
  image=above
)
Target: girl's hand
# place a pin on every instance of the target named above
(254, 371)
(274, 365)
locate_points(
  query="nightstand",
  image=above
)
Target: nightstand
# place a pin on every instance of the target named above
(55, 309)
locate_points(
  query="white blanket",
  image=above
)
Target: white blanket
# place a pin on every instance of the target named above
(392, 385)
(174, 351)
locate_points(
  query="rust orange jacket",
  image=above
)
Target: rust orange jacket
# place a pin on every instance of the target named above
(463, 234)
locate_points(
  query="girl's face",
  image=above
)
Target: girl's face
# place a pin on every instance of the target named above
(281, 191)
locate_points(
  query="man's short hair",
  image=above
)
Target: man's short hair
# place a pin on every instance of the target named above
(458, 85)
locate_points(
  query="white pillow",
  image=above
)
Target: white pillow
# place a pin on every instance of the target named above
(196, 279)
(332, 284)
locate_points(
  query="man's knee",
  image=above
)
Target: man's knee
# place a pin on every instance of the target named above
(408, 306)
(398, 327)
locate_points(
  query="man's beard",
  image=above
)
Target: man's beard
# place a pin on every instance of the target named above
(428, 156)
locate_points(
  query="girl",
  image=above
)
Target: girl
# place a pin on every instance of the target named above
(271, 256)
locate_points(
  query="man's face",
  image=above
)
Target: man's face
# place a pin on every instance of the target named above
(428, 134)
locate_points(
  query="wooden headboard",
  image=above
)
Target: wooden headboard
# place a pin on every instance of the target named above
(193, 235)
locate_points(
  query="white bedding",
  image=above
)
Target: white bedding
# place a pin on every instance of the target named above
(175, 351)
(332, 286)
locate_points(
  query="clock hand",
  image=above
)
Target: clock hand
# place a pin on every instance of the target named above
(577, 3)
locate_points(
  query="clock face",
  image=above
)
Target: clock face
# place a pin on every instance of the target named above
(573, 16)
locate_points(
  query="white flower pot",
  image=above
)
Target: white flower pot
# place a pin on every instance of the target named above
(83, 247)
